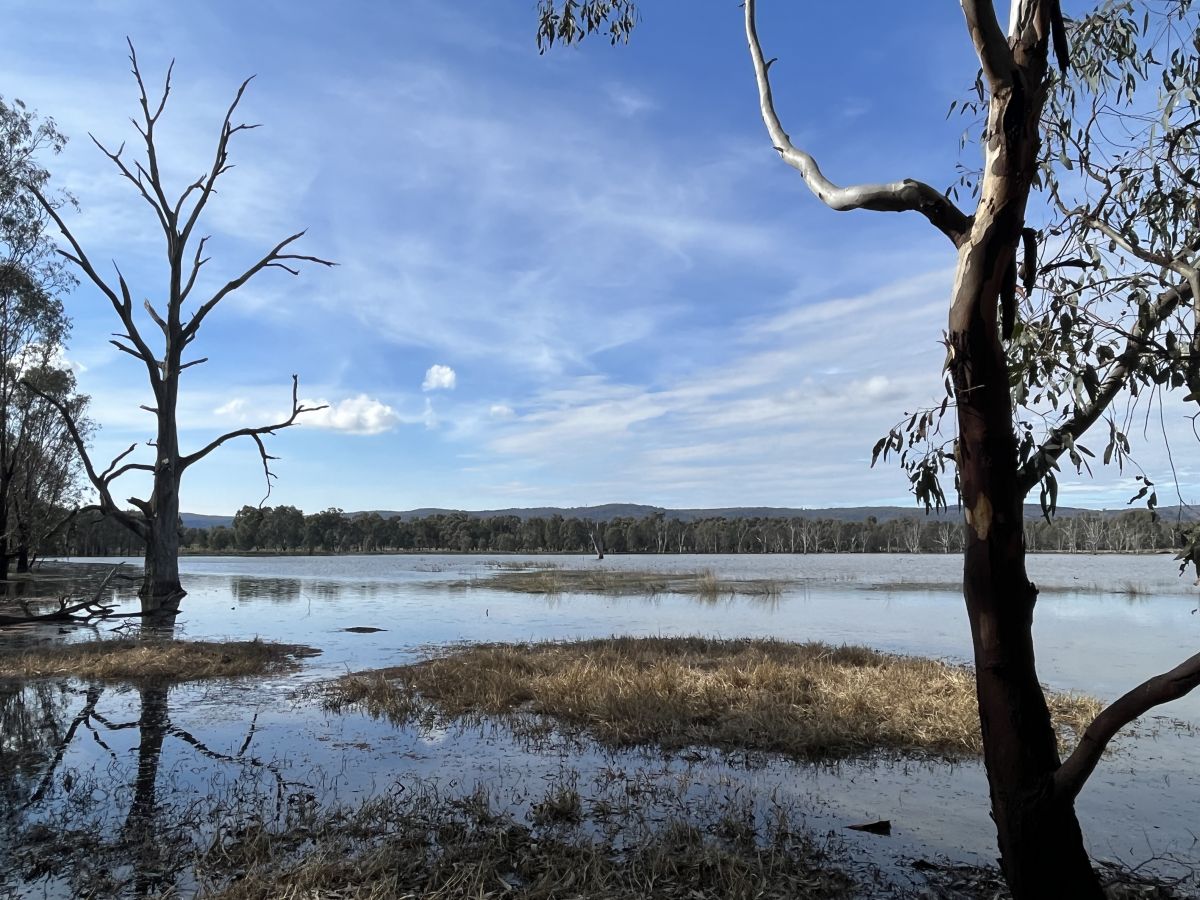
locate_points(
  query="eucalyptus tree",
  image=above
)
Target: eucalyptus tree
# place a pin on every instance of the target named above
(45, 493)
(178, 316)
(33, 325)
(996, 459)
(1121, 288)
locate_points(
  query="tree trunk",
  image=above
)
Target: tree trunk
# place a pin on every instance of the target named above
(1040, 841)
(4, 555)
(161, 591)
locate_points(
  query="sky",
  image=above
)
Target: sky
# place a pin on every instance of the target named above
(564, 279)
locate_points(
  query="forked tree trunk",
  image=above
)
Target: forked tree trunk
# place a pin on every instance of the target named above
(1040, 841)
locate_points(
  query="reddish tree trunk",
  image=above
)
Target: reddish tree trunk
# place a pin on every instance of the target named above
(1040, 841)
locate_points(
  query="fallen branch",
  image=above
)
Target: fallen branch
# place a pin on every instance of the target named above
(84, 612)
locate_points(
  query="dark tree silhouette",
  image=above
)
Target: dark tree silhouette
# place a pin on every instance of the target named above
(155, 519)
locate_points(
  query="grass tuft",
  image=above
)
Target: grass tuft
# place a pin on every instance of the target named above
(130, 659)
(805, 700)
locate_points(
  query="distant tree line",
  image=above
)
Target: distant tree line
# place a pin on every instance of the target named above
(286, 529)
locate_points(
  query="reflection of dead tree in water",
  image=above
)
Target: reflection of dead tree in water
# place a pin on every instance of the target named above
(33, 717)
(154, 848)
(154, 725)
(82, 718)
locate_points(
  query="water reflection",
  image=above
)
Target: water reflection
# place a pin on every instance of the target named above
(161, 767)
(88, 760)
(32, 721)
(246, 589)
(273, 590)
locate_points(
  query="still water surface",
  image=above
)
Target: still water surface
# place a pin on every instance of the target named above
(1103, 624)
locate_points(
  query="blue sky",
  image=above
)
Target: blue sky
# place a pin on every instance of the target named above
(568, 279)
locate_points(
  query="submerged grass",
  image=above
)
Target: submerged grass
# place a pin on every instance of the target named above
(132, 659)
(555, 580)
(807, 700)
(419, 844)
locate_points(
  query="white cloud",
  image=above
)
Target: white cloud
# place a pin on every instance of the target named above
(234, 409)
(354, 415)
(439, 378)
(501, 411)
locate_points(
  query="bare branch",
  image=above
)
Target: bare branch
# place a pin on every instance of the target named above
(107, 475)
(133, 334)
(194, 362)
(128, 350)
(268, 475)
(107, 506)
(80, 258)
(899, 196)
(146, 509)
(155, 316)
(990, 44)
(148, 136)
(298, 409)
(1072, 774)
(197, 262)
(219, 165)
(136, 180)
(270, 260)
(130, 467)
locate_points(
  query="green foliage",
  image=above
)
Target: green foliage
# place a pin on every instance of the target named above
(29, 265)
(38, 462)
(1103, 330)
(571, 21)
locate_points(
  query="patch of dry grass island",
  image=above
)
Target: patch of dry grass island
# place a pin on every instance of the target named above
(552, 580)
(806, 700)
(133, 659)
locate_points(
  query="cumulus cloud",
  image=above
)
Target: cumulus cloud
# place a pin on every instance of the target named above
(234, 409)
(501, 411)
(439, 378)
(354, 415)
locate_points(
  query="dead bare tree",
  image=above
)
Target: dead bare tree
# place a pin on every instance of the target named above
(155, 518)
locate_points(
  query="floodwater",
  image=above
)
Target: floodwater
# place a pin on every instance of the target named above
(115, 756)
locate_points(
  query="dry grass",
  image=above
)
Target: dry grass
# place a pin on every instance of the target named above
(129, 659)
(553, 580)
(424, 846)
(806, 700)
